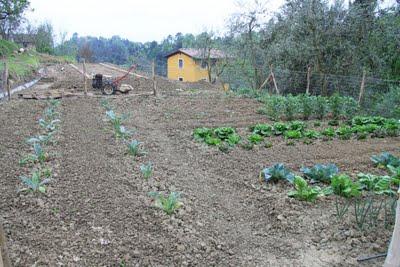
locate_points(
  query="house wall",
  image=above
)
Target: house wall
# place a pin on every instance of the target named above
(191, 71)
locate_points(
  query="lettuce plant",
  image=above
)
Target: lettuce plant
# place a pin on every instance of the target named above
(280, 128)
(168, 204)
(255, 138)
(293, 134)
(385, 159)
(276, 173)
(320, 172)
(328, 132)
(224, 132)
(200, 134)
(343, 186)
(212, 141)
(344, 132)
(35, 183)
(311, 134)
(262, 129)
(233, 139)
(146, 170)
(375, 183)
(303, 191)
(297, 126)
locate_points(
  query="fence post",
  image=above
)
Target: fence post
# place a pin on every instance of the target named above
(273, 80)
(308, 79)
(393, 255)
(153, 67)
(84, 76)
(4, 259)
(5, 80)
(362, 87)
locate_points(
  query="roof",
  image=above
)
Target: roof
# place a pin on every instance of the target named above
(198, 53)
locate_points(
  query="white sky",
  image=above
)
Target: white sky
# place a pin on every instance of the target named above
(136, 20)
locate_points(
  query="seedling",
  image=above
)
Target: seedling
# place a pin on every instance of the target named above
(168, 204)
(38, 156)
(321, 173)
(134, 148)
(49, 126)
(122, 132)
(276, 173)
(35, 182)
(147, 170)
(304, 191)
(43, 139)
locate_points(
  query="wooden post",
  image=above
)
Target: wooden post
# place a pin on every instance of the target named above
(154, 78)
(84, 76)
(5, 80)
(4, 259)
(393, 255)
(273, 80)
(362, 87)
(308, 79)
(265, 82)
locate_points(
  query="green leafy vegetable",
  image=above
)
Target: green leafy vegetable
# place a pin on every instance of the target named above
(35, 182)
(276, 173)
(320, 172)
(168, 204)
(303, 191)
(385, 159)
(343, 186)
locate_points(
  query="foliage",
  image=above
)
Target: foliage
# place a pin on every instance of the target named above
(311, 134)
(375, 183)
(290, 107)
(276, 173)
(293, 134)
(343, 186)
(306, 106)
(233, 139)
(344, 132)
(303, 191)
(385, 159)
(49, 126)
(224, 132)
(168, 204)
(280, 128)
(255, 138)
(201, 134)
(43, 139)
(320, 172)
(35, 183)
(335, 105)
(328, 132)
(39, 155)
(262, 129)
(389, 104)
(147, 170)
(212, 141)
(134, 148)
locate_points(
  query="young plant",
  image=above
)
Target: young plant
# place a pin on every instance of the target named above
(344, 132)
(134, 148)
(343, 186)
(168, 204)
(303, 191)
(233, 139)
(49, 126)
(311, 134)
(224, 132)
(255, 138)
(375, 183)
(116, 120)
(35, 183)
(320, 172)
(105, 104)
(122, 132)
(328, 132)
(200, 134)
(262, 129)
(43, 139)
(385, 159)
(280, 128)
(50, 113)
(39, 156)
(147, 170)
(276, 173)
(212, 141)
(293, 134)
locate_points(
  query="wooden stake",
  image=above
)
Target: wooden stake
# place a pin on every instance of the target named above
(84, 76)
(153, 67)
(308, 80)
(5, 80)
(4, 259)
(393, 255)
(362, 87)
(265, 82)
(274, 81)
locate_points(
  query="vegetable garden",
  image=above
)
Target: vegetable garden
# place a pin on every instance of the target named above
(194, 179)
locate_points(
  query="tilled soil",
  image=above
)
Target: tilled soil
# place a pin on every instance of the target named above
(97, 211)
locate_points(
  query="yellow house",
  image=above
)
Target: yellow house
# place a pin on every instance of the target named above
(190, 65)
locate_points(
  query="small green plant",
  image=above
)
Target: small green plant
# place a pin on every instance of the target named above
(268, 144)
(39, 156)
(293, 134)
(280, 128)
(320, 172)
(262, 129)
(50, 113)
(303, 191)
(212, 141)
(311, 134)
(375, 183)
(224, 132)
(343, 186)
(122, 132)
(247, 145)
(328, 132)
(200, 134)
(276, 173)
(42, 139)
(344, 132)
(385, 159)
(134, 148)
(49, 126)
(168, 204)
(116, 120)
(233, 139)
(105, 104)
(297, 126)
(146, 170)
(255, 138)
(35, 183)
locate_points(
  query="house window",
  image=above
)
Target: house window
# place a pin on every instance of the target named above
(180, 79)
(180, 63)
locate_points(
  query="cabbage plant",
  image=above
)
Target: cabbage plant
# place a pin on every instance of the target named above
(276, 173)
(385, 159)
(320, 172)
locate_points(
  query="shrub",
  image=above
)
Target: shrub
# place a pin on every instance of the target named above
(290, 107)
(276, 173)
(335, 103)
(320, 107)
(320, 172)
(306, 106)
(350, 107)
(389, 105)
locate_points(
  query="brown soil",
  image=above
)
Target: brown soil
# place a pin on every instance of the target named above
(97, 211)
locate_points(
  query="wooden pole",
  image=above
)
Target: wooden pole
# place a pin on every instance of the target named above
(273, 80)
(393, 255)
(4, 259)
(265, 82)
(153, 67)
(84, 76)
(362, 87)
(308, 80)
(5, 80)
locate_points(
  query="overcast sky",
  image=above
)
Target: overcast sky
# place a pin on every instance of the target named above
(136, 20)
